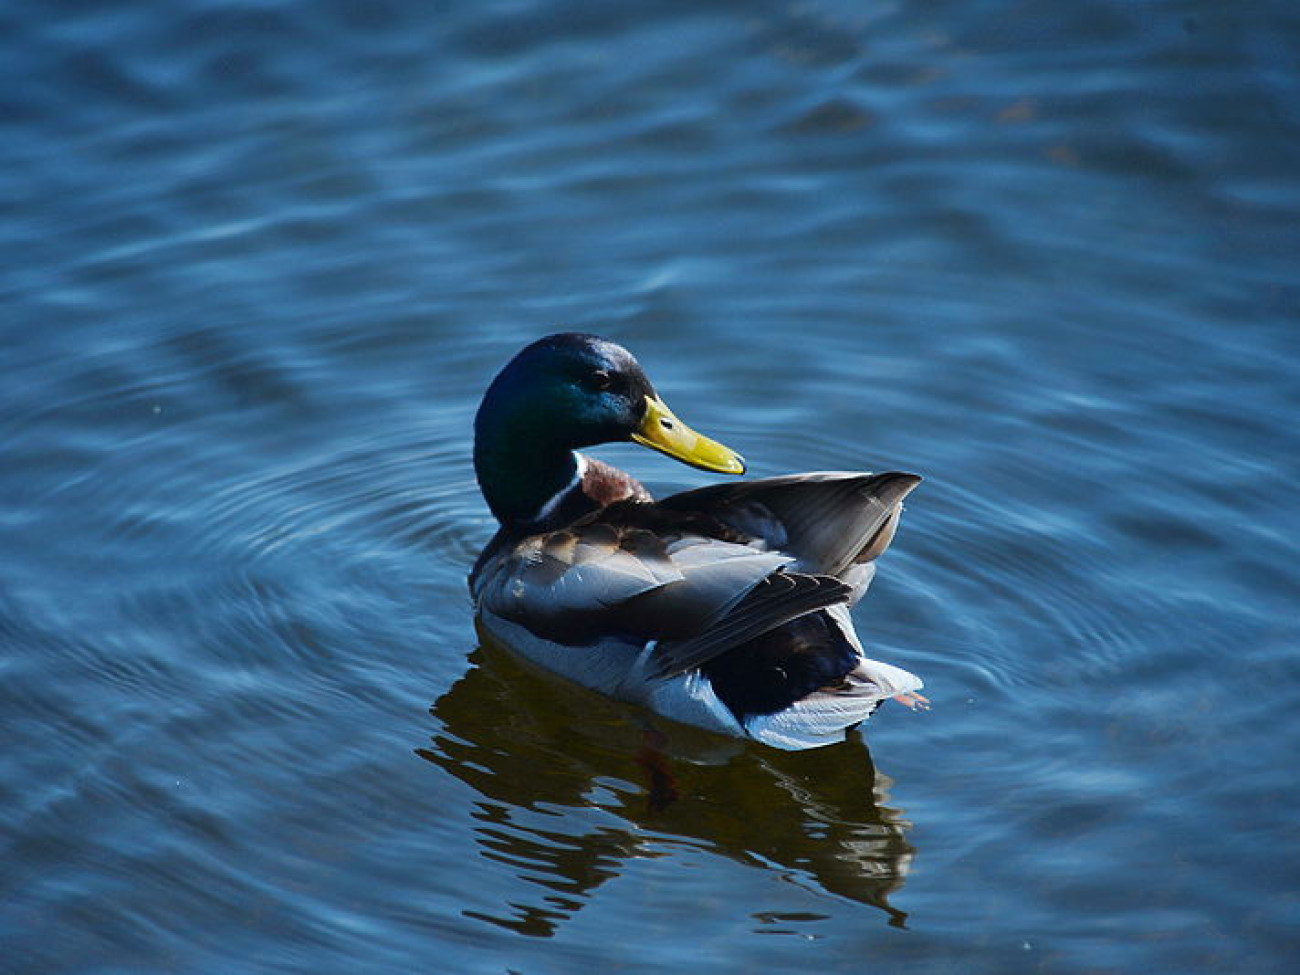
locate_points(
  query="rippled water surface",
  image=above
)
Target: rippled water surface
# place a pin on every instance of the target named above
(258, 262)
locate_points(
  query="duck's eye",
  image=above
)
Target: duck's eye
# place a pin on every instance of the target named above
(599, 381)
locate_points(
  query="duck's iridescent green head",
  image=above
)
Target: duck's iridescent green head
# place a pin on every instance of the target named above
(562, 393)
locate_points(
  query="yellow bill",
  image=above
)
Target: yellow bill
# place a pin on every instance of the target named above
(662, 431)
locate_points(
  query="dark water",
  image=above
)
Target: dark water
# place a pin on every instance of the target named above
(258, 260)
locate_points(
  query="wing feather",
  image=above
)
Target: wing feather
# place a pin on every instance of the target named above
(585, 581)
(702, 571)
(828, 520)
(777, 599)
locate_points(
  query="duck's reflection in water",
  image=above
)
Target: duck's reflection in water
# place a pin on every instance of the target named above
(572, 789)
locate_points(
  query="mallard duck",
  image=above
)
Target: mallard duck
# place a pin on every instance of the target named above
(725, 607)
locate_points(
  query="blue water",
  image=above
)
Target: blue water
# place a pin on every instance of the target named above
(259, 260)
